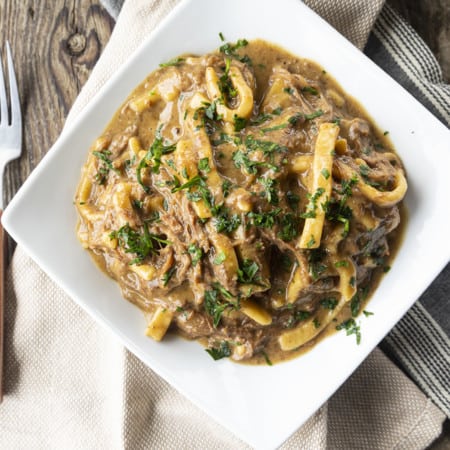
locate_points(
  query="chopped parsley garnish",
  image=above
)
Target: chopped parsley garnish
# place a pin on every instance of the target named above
(368, 313)
(225, 85)
(351, 327)
(316, 323)
(105, 167)
(311, 242)
(230, 49)
(292, 199)
(289, 224)
(220, 258)
(270, 191)
(201, 193)
(315, 263)
(337, 210)
(194, 181)
(293, 120)
(247, 271)
(297, 316)
(266, 358)
(261, 118)
(226, 223)
(142, 244)
(329, 303)
(264, 219)
(168, 275)
(241, 160)
(222, 351)
(357, 300)
(153, 157)
(342, 263)
(267, 147)
(312, 204)
(288, 90)
(172, 62)
(203, 165)
(310, 90)
(275, 127)
(325, 173)
(226, 185)
(217, 301)
(239, 123)
(196, 253)
(364, 170)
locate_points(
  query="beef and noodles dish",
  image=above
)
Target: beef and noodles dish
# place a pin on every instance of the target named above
(242, 199)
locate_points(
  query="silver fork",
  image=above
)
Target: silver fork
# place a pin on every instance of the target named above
(10, 148)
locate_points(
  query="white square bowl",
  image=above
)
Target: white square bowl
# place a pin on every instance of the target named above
(262, 405)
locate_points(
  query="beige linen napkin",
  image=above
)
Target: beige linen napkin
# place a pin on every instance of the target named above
(70, 385)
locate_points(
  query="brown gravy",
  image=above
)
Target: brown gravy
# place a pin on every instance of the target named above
(197, 196)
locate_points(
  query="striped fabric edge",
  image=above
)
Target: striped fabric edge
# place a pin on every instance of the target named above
(414, 57)
(417, 342)
(423, 349)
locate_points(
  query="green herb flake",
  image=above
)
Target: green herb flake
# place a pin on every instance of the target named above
(310, 90)
(357, 300)
(239, 123)
(226, 223)
(329, 303)
(325, 173)
(289, 227)
(312, 204)
(281, 126)
(196, 254)
(311, 242)
(351, 327)
(142, 244)
(289, 90)
(217, 300)
(168, 275)
(247, 272)
(270, 191)
(316, 323)
(266, 358)
(172, 62)
(203, 165)
(368, 313)
(153, 158)
(342, 263)
(105, 166)
(222, 351)
(292, 199)
(264, 219)
(226, 187)
(242, 161)
(220, 258)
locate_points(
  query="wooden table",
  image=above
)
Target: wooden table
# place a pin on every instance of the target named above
(56, 43)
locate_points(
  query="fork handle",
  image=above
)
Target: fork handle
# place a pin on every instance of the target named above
(2, 299)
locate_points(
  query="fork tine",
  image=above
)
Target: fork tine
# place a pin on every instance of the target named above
(16, 117)
(3, 101)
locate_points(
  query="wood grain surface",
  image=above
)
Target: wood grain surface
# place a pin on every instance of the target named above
(55, 45)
